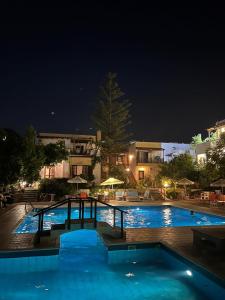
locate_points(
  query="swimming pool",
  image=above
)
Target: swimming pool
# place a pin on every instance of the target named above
(85, 270)
(137, 217)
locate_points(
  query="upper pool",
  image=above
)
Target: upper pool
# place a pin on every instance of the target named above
(137, 217)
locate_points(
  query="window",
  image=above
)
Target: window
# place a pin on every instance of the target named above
(143, 156)
(141, 175)
(78, 170)
(49, 172)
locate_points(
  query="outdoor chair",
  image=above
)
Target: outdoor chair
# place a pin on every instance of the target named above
(83, 195)
(132, 195)
(146, 194)
(120, 195)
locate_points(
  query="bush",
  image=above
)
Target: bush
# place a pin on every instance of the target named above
(59, 187)
(172, 194)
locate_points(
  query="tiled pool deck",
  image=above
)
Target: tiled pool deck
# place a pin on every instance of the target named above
(177, 238)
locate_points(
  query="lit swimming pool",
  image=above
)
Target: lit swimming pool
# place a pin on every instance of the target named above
(137, 217)
(85, 270)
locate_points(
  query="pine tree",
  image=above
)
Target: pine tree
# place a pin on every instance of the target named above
(112, 117)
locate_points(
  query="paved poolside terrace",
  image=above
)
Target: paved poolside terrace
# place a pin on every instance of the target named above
(178, 239)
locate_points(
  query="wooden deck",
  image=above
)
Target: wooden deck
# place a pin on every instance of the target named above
(177, 238)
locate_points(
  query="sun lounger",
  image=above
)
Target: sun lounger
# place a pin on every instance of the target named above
(132, 195)
(120, 195)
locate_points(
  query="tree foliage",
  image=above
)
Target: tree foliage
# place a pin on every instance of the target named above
(33, 157)
(179, 167)
(216, 158)
(54, 153)
(196, 139)
(112, 117)
(21, 157)
(10, 156)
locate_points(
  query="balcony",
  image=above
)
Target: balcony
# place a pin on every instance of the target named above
(81, 151)
(153, 160)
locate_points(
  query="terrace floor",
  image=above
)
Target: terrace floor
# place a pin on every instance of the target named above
(177, 238)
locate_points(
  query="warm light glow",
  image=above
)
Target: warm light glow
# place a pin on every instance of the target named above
(131, 156)
(141, 169)
(128, 169)
(165, 183)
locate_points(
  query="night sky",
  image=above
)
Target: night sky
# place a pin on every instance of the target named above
(170, 63)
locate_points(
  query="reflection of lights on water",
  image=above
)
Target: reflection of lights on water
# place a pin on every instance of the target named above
(129, 274)
(134, 262)
(189, 273)
(167, 216)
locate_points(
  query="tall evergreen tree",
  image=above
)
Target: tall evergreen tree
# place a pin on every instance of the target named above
(112, 117)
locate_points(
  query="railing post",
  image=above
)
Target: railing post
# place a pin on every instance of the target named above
(114, 217)
(95, 221)
(42, 221)
(39, 223)
(91, 209)
(121, 225)
(82, 214)
(69, 215)
(79, 209)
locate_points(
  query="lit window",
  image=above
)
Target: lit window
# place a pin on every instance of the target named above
(141, 175)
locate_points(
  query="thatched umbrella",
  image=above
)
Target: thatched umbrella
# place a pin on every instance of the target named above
(77, 180)
(219, 183)
(185, 182)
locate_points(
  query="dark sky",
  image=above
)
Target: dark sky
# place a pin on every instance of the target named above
(170, 62)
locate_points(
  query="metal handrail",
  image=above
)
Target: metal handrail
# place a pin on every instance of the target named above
(55, 205)
(114, 207)
(42, 211)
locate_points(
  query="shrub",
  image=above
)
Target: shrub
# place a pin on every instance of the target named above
(59, 187)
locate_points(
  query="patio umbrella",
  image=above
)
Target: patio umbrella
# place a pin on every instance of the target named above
(112, 181)
(77, 180)
(185, 182)
(219, 183)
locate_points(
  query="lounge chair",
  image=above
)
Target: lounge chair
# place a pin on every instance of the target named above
(120, 195)
(132, 195)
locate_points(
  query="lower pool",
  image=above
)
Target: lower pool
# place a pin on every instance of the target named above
(137, 217)
(86, 270)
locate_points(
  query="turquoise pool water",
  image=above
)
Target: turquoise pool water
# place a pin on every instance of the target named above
(137, 217)
(85, 270)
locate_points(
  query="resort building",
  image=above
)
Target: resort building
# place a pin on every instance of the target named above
(214, 134)
(81, 150)
(217, 129)
(145, 159)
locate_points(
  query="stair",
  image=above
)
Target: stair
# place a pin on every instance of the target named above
(30, 195)
(57, 229)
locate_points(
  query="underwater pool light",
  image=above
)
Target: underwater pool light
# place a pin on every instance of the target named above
(189, 273)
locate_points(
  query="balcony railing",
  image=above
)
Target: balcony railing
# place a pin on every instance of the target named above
(81, 152)
(154, 160)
